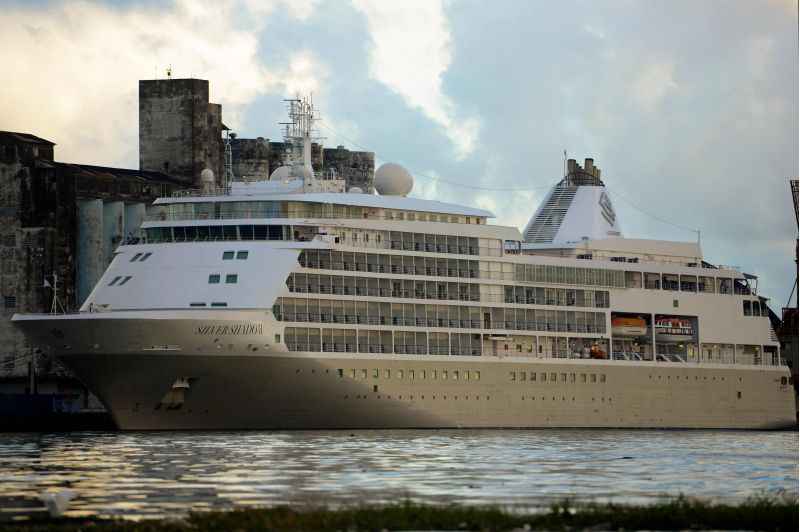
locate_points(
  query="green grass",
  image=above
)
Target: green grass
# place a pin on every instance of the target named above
(757, 513)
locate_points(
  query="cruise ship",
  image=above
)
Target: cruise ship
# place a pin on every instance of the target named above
(293, 303)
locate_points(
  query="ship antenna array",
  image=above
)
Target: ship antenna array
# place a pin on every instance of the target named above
(55, 304)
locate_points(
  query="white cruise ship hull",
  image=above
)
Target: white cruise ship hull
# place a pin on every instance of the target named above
(158, 370)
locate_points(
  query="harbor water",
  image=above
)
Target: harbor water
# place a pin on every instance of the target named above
(161, 474)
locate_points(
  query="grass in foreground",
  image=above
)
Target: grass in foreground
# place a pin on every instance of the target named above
(758, 513)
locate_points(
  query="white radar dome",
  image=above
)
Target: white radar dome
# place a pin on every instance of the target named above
(355, 190)
(207, 175)
(393, 180)
(280, 173)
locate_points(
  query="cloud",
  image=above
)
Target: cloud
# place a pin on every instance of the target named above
(410, 53)
(653, 84)
(72, 69)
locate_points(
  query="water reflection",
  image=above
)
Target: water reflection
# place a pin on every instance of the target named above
(157, 474)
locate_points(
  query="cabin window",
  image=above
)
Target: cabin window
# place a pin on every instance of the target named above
(213, 278)
(115, 280)
(242, 255)
(145, 256)
(197, 304)
(219, 304)
(231, 278)
(125, 280)
(227, 255)
(136, 257)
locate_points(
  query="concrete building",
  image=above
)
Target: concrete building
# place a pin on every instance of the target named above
(255, 159)
(180, 132)
(64, 219)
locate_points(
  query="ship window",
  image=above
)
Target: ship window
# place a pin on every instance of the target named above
(213, 278)
(231, 278)
(115, 280)
(197, 304)
(242, 255)
(125, 280)
(227, 255)
(219, 304)
(145, 256)
(136, 257)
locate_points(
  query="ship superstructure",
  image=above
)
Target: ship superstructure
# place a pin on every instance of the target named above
(294, 303)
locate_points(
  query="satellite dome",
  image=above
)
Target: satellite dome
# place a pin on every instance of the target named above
(355, 190)
(280, 173)
(207, 175)
(393, 180)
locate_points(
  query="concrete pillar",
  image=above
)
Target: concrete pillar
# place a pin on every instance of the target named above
(113, 222)
(134, 216)
(90, 246)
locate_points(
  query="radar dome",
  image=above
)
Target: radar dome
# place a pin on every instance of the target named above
(393, 180)
(207, 175)
(355, 190)
(280, 173)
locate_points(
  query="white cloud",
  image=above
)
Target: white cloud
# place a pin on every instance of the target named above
(653, 83)
(411, 51)
(71, 70)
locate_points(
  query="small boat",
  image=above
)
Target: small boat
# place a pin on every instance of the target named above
(673, 330)
(622, 326)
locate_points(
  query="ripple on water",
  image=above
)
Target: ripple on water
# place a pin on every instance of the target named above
(160, 474)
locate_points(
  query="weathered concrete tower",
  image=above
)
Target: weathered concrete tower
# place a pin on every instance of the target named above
(180, 132)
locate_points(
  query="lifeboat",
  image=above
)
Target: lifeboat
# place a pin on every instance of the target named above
(673, 330)
(621, 326)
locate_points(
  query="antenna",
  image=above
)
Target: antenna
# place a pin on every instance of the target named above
(55, 304)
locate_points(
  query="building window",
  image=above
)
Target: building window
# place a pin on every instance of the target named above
(219, 304)
(10, 301)
(125, 280)
(227, 255)
(277, 338)
(231, 278)
(213, 278)
(136, 257)
(115, 280)
(675, 303)
(242, 255)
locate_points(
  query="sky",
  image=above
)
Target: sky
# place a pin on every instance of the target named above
(689, 107)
